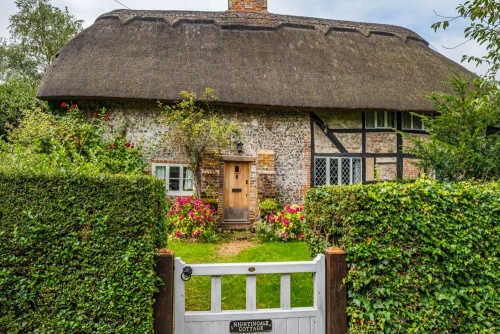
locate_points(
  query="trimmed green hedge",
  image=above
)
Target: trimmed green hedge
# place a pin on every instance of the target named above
(423, 257)
(77, 253)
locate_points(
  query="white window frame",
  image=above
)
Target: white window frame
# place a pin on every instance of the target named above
(339, 169)
(167, 166)
(386, 116)
(412, 127)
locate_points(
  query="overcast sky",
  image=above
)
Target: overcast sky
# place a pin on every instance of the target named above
(417, 15)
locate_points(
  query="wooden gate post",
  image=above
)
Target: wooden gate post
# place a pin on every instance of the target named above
(336, 292)
(164, 299)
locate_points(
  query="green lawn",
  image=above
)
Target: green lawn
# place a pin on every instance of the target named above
(233, 287)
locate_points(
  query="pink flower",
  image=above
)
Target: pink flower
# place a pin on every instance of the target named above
(181, 218)
(178, 233)
(191, 213)
(302, 236)
(301, 218)
(286, 222)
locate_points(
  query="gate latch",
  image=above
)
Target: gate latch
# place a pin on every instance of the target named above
(187, 271)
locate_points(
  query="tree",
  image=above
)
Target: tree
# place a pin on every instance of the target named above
(197, 129)
(484, 29)
(37, 31)
(460, 145)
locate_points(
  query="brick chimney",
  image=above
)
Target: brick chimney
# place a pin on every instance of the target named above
(255, 6)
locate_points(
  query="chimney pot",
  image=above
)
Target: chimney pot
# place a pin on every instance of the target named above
(255, 6)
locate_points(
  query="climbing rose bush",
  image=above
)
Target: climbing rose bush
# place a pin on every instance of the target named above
(69, 139)
(285, 225)
(191, 218)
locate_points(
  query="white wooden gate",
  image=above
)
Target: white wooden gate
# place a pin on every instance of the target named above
(285, 320)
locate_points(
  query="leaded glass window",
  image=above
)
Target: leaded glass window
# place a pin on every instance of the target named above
(337, 170)
(380, 120)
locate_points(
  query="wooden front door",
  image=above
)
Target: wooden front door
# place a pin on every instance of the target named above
(236, 188)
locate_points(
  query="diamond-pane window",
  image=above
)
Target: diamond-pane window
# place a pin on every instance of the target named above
(335, 170)
(346, 171)
(412, 122)
(356, 171)
(320, 171)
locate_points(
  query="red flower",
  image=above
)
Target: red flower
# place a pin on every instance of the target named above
(132, 146)
(111, 147)
(73, 106)
(63, 104)
(106, 117)
(127, 144)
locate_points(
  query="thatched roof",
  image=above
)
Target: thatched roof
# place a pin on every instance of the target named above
(249, 59)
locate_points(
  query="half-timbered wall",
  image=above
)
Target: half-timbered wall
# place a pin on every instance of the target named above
(281, 146)
(344, 134)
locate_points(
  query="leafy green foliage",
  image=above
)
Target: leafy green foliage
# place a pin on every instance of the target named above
(484, 26)
(73, 141)
(423, 257)
(198, 129)
(268, 205)
(286, 225)
(190, 218)
(16, 95)
(77, 252)
(38, 30)
(459, 145)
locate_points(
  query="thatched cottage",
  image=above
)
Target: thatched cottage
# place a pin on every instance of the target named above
(316, 99)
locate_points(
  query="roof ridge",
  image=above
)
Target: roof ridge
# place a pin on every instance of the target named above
(232, 20)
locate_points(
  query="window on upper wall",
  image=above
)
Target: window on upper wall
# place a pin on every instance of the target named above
(330, 170)
(178, 178)
(380, 120)
(412, 122)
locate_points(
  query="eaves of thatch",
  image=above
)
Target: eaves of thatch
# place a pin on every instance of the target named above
(254, 59)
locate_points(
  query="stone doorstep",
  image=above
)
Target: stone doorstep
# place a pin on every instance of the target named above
(243, 231)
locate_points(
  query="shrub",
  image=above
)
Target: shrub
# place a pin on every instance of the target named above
(190, 218)
(268, 205)
(77, 252)
(71, 141)
(423, 257)
(286, 225)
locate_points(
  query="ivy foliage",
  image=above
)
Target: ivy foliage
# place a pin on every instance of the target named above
(423, 257)
(77, 252)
